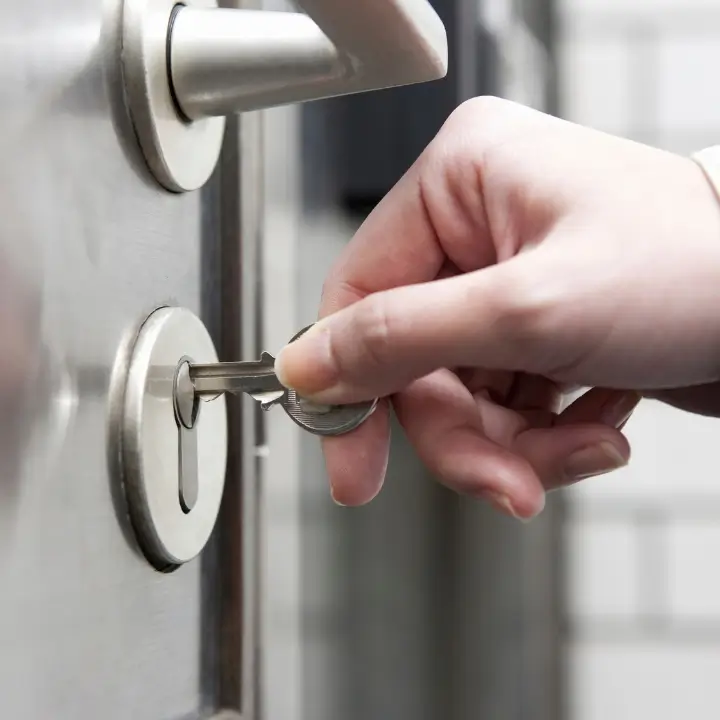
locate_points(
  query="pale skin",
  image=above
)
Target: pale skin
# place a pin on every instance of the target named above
(521, 256)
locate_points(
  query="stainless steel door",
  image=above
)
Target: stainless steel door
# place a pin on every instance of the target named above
(88, 243)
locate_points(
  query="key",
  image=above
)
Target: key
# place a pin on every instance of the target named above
(258, 380)
(254, 378)
(328, 420)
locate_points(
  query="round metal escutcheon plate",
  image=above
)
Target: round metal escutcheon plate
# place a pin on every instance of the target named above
(149, 441)
(181, 155)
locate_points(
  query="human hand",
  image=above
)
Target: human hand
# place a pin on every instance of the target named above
(520, 256)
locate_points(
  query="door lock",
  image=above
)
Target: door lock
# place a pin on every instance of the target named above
(172, 430)
(172, 446)
(186, 65)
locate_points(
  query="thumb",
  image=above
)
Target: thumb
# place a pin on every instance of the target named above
(489, 318)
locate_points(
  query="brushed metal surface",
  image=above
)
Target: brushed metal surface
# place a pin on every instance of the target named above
(169, 533)
(88, 243)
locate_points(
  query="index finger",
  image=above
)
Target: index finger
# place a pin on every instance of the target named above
(435, 213)
(396, 245)
(433, 217)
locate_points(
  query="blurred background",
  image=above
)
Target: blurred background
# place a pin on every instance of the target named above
(642, 590)
(423, 605)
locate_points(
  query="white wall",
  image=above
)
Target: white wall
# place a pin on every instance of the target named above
(644, 544)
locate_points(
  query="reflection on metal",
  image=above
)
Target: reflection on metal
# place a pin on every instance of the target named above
(226, 61)
(255, 378)
(186, 66)
(180, 154)
(153, 452)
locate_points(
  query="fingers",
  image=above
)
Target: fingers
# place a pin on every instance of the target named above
(497, 385)
(442, 422)
(481, 449)
(396, 245)
(378, 345)
(561, 455)
(533, 393)
(356, 463)
(585, 441)
(610, 407)
(434, 215)
(564, 456)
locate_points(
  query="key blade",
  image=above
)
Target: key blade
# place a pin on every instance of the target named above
(255, 378)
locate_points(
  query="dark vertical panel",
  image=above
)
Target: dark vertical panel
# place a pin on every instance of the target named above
(356, 148)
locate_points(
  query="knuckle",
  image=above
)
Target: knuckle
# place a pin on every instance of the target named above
(479, 112)
(460, 145)
(471, 130)
(482, 104)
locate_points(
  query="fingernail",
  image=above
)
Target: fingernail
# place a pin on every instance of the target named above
(617, 413)
(307, 365)
(502, 503)
(592, 461)
(334, 499)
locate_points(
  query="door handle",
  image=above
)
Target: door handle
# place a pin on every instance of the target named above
(224, 61)
(186, 66)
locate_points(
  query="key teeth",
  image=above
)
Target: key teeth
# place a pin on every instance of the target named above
(266, 357)
(267, 404)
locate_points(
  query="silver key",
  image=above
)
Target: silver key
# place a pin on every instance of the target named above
(258, 380)
(254, 378)
(325, 419)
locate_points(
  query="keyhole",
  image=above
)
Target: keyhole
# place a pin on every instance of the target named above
(187, 409)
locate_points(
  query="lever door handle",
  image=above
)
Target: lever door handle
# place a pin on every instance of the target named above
(188, 65)
(224, 61)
